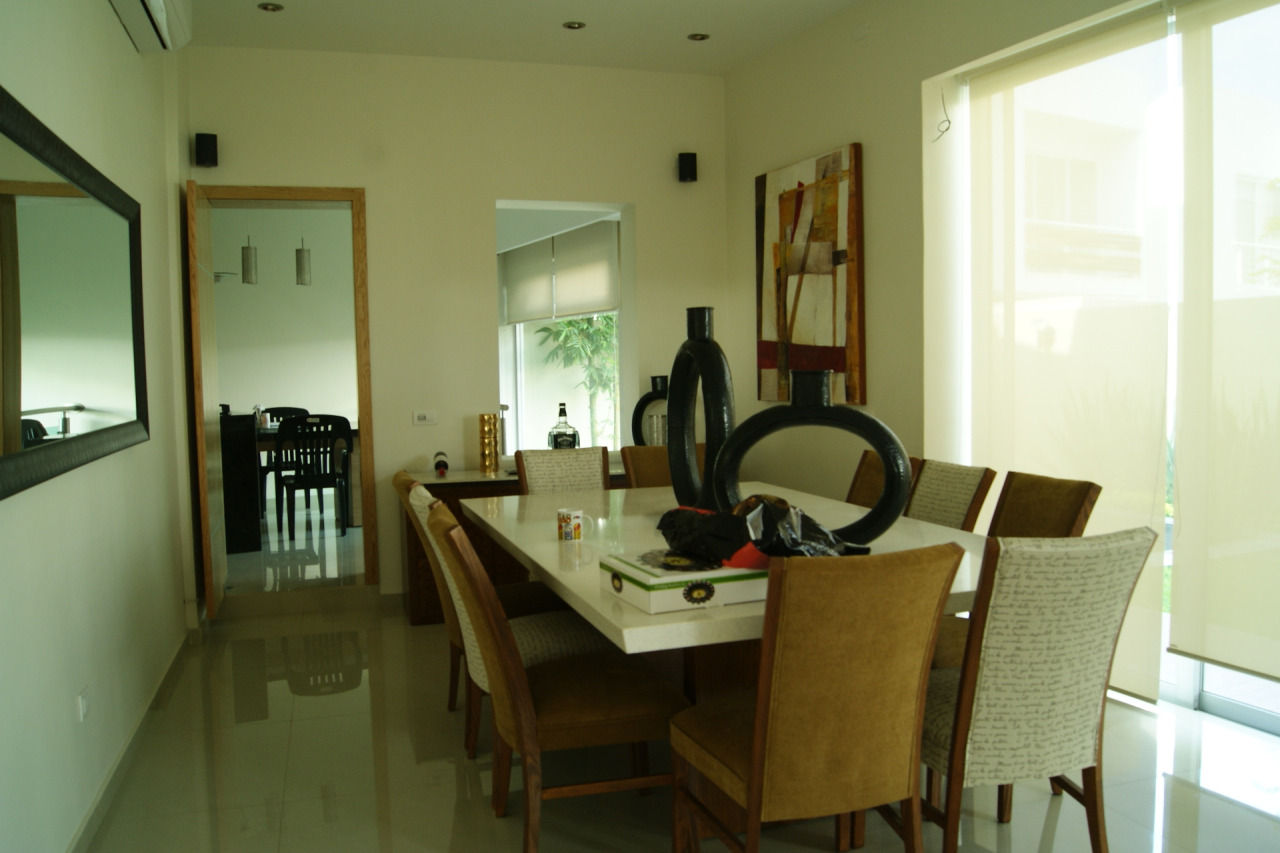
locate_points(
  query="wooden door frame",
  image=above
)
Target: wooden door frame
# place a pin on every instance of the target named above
(360, 285)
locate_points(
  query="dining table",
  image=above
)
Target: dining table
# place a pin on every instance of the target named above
(625, 522)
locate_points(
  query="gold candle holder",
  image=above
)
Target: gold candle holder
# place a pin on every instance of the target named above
(489, 443)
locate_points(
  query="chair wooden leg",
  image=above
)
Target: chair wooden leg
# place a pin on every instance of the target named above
(1055, 787)
(292, 503)
(844, 831)
(472, 724)
(455, 669)
(279, 510)
(951, 814)
(858, 832)
(681, 816)
(1092, 784)
(531, 771)
(1004, 803)
(912, 826)
(501, 774)
(933, 787)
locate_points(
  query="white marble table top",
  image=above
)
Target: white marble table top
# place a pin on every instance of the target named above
(625, 521)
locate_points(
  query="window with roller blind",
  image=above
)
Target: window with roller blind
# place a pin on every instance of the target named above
(557, 336)
(1102, 290)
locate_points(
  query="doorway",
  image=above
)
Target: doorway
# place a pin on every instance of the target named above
(235, 358)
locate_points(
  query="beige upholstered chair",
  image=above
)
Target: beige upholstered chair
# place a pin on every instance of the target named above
(1028, 699)
(647, 465)
(583, 701)
(562, 470)
(543, 630)
(834, 725)
(868, 479)
(1032, 505)
(949, 494)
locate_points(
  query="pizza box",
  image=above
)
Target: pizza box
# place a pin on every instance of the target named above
(660, 581)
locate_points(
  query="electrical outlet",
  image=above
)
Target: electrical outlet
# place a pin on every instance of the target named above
(82, 705)
(423, 418)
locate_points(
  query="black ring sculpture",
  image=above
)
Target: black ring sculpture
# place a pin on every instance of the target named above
(699, 357)
(658, 392)
(811, 406)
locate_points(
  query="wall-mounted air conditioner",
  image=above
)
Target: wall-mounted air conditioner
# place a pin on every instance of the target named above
(155, 25)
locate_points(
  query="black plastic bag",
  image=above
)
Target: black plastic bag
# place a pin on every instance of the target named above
(781, 530)
(709, 536)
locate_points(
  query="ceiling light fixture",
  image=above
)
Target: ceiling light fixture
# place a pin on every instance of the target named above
(271, 7)
(698, 36)
(573, 25)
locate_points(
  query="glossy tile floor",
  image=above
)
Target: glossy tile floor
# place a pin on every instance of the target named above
(316, 556)
(314, 720)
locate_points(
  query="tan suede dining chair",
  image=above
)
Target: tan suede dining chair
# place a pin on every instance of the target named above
(1028, 699)
(544, 626)
(868, 479)
(562, 470)
(949, 494)
(1034, 505)
(834, 725)
(648, 465)
(589, 700)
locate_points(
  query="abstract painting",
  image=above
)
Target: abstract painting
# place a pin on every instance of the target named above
(809, 275)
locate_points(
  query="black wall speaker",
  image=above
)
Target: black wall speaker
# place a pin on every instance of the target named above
(687, 166)
(206, 149)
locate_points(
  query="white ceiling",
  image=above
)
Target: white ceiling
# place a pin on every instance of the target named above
(639, 34)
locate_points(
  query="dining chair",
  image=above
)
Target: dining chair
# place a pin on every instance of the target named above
(322, 446)
(541, 625)
(647, 464)
(588, 700)
(833, 727)
(949, 494)
(1028, 699)
(518, 599)
(562, 470)
(868, 479)
(276, 414)
(1034, 505)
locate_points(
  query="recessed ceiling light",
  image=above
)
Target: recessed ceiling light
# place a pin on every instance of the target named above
(698, 36)
(573, 25)
(271, 7)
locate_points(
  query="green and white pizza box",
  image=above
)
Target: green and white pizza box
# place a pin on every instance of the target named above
(659, 582)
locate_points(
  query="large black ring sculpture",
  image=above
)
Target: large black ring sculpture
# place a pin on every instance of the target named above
(699, 357)
(811, 406)
(656, 393)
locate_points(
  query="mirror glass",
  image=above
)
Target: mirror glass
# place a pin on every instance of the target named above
(72, 383)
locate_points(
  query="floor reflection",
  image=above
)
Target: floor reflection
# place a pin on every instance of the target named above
(318, 555)
(316, 721)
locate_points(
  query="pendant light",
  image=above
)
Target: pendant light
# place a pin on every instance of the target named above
(304, 264)
(248, 262)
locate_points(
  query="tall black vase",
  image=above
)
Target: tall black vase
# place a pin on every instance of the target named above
(811, 406)
(699, 358)
(656, 393)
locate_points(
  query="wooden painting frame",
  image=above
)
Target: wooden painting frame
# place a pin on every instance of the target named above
(809, 232)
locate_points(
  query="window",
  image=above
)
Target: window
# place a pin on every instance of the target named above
(558, 336)
(1102, 287)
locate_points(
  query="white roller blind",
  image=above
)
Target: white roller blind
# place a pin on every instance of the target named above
(569, 274)
(524, 277)
(586, 270)
(1226, 579)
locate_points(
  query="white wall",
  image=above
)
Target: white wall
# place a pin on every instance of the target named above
(855, 79)
(94, 561)
(280, 344)
(435, 144)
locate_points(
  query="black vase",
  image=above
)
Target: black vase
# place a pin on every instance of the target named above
(699, 358)
(811, 406)
(658, 392)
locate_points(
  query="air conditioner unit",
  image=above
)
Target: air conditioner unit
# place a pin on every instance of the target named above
(155, 25)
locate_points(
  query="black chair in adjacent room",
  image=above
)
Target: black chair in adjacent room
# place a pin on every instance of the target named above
(276, 414)
(33, 432)
(321, 446)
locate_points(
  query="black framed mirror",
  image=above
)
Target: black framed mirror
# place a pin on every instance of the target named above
(72, 368)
